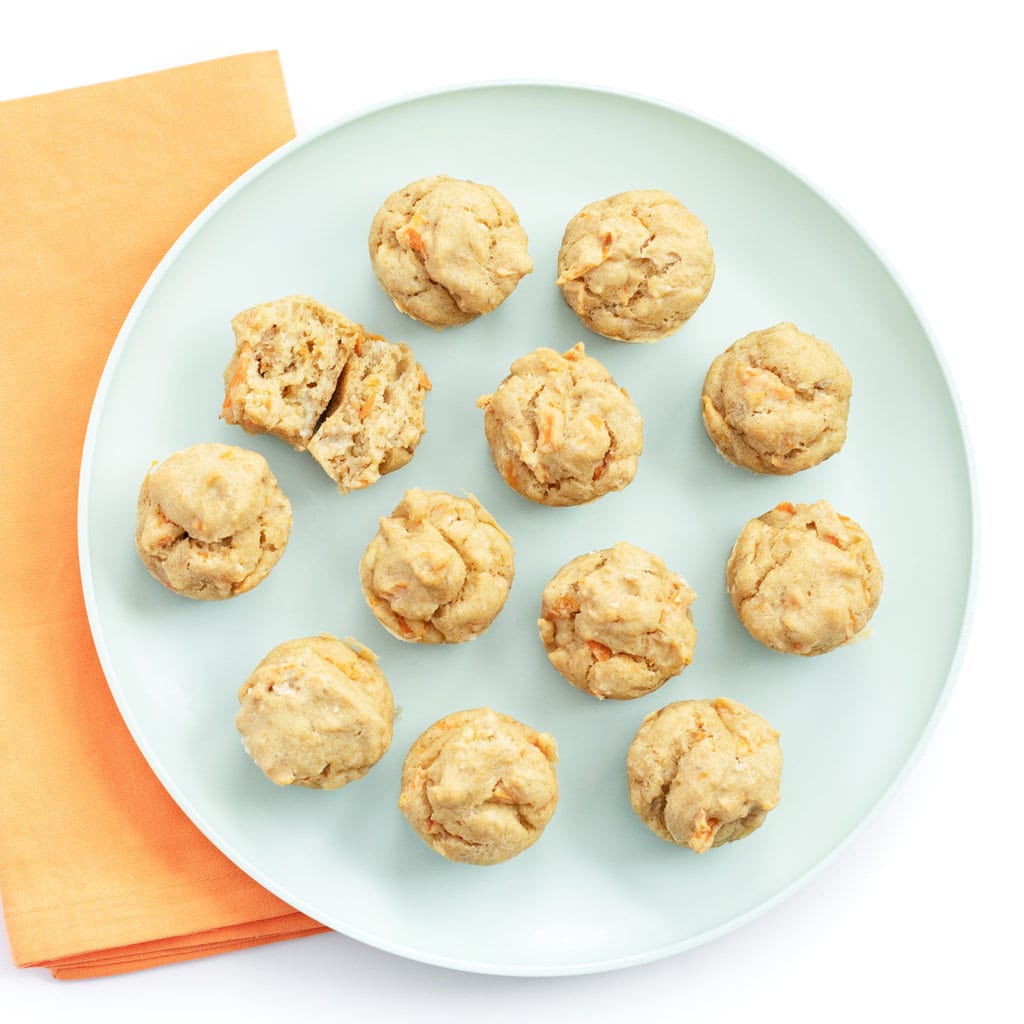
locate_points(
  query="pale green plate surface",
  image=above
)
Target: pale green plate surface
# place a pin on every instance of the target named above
(599, 890)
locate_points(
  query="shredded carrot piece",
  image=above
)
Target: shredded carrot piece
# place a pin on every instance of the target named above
(599, 472)
(547, 421)
(359, 344)
(421, 376)
(237, 379)
(367, 407)
(563, 608)
(416, 242)
(403, 626)
(606, 244)
(786, 506)
(704, 829)
(241, 367)
(600, 652)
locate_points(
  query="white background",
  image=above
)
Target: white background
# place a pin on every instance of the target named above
(908, 116)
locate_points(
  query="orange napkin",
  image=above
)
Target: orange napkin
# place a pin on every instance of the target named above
(100, 872)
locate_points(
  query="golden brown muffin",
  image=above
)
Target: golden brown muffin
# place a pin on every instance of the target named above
(616, 623)
(375, 419)
(635, 266)
(702, 773)
(479, 786)
(447, 251)
(777, 401)
(439, 569)
(211, 521)
(561, 431)
(803, 579)
(316, 712)
(288, 358)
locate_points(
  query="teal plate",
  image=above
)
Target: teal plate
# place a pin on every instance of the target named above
(598, 891)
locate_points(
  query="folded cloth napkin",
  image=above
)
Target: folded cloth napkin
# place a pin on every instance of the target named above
(100, 872)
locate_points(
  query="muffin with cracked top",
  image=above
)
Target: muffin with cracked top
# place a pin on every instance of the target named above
(777, 401)
(479, 786)
(211, 521)
(316, 712)
(636, 266)
(439, 569)
(804, 579)
(702, 773)
(560, 430)
(616, 623)
(447, 250)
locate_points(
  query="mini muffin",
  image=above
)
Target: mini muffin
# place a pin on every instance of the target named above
(479, 787)
(316, 712)
(803, 579)
(447, 251)
(438, 570)
(561, 431)
(777, 401)
(288, 358)
(375, 419)
(616, 623)
(211, 521)
(635, 266)
(703, 773)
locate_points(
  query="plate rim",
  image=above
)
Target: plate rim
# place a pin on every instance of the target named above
(209, 830)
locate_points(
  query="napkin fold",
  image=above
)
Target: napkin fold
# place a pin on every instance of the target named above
(100, 871)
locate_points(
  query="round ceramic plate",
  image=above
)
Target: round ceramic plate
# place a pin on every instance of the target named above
(598, 890)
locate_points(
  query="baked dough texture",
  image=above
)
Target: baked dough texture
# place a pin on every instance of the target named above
(777, 401)
(635, 266)
(447, 251)
(803, 579)
(439, 569)
(211, 521)
(479, 786)
(616, 623)
(316, 712)
(288, 358)
(702, 773)
(320, 382)
(561, 431)
(375, 419)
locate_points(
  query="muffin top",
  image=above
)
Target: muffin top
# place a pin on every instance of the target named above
(635, 266)
(616, 623)
(439, 569)
(804, 579)
(447, 251)
(561, 431)
(777, 401)
(316, 712)
(211, 521)
(479, 786)
(702, 773)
